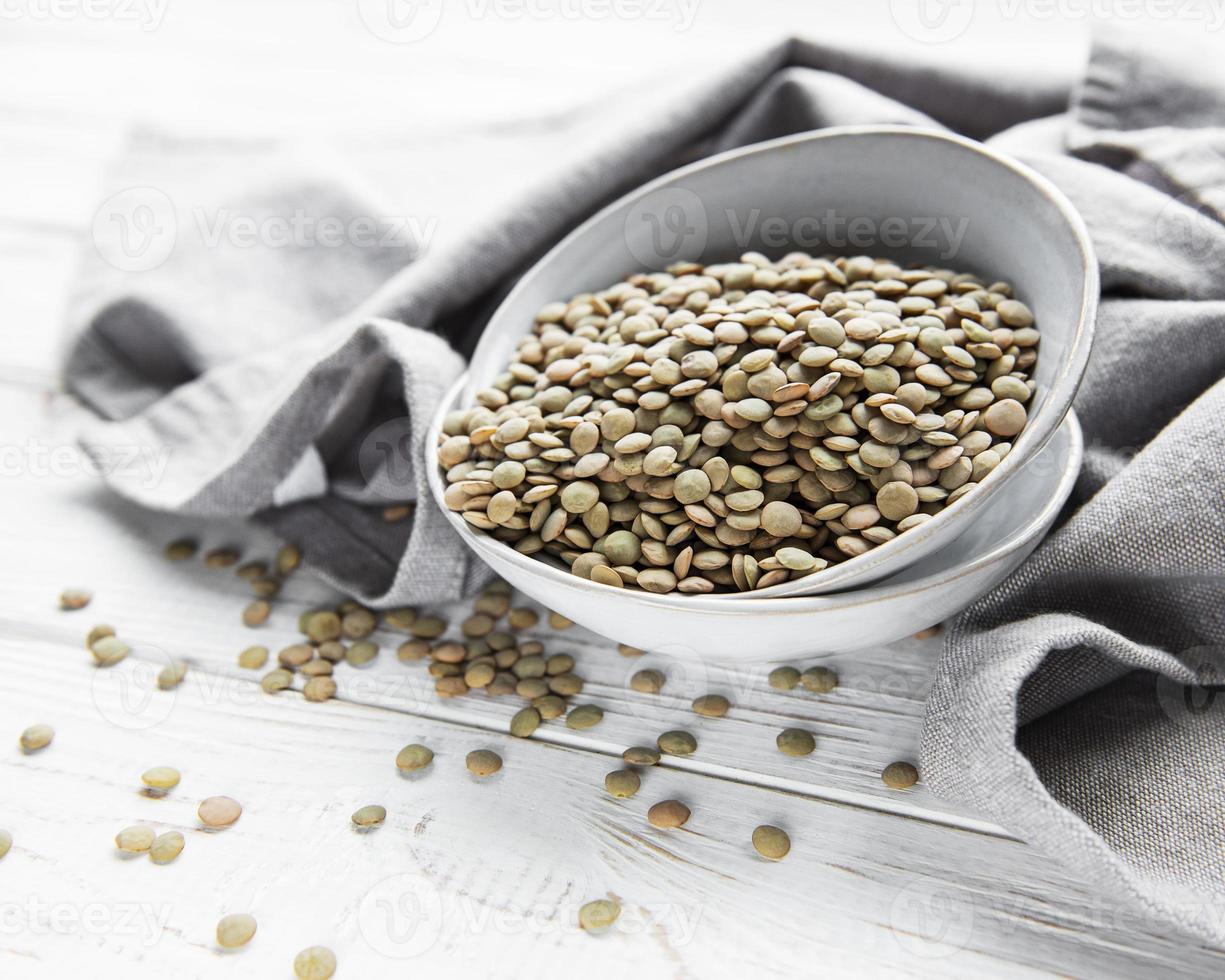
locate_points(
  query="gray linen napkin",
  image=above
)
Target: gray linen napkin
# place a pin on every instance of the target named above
(294, 384)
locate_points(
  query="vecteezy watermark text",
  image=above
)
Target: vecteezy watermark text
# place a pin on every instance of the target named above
(146, 13)
(939, 21)
(406, 21)
(674, 223)
(144, 921)
(145, 465)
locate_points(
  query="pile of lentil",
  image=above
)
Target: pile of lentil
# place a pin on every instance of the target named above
(730, 427)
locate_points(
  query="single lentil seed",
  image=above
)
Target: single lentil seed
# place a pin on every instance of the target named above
(276, 680)
(219, 811)
(256, 613)
(668, 814)
(315, 963)
(600, 914)
(900, 775)
(371, 815)
(622, 783)
(414, 757)
(711, 705)
(584, 716)
(135, 840)
(483, 762)
(36, 737)
(71, 599)
(647, 681)
(822, 680)
(677, 743)
(108, 650)
(641, 755)
(181, 550)
(161, 777)
(166, 847)
(253, 658)
(784, 678)
(771, 842)
(525, 722)
(795, 742)
(235, 930)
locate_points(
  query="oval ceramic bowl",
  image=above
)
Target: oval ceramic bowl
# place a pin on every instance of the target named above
(719, 628)
(914, 195)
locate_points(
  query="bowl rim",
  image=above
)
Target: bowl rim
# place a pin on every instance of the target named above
(1059, 392)
(721, 604)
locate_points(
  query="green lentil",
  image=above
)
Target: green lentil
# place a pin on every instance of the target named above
(711, 705)
(288, 558)
(135, 840)
(71, 599)
(647, 681)
(315, 963)
(900, 775)
(108, 650)
(584, 716)
(784, 678)
(276, 680)
(483, 762)
(166, 847)
(641, 755)
(668, 814)
(161, 777)
(677, 743)
(256, 613)
(218, 811)
(371, 815)
(771, 842)
(253, 658)
(822, 680)
(414, 757)
(36, 737)
(362, 653)
(323, 626)
(235, 930)
(599, 914)
(181, 550)
(795, 742)
(525, 722)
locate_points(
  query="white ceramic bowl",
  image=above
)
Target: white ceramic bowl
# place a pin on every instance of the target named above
(719, 628)
(1000, 219)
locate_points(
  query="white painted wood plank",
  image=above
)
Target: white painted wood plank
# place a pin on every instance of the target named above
(496, 869)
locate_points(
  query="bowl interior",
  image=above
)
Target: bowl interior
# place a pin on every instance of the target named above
(912, 195)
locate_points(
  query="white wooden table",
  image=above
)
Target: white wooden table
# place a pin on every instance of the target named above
(467, 878)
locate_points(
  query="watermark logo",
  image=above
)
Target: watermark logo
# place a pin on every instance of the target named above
(930, 921)
(1190, 234)
(401, 21)
(401, 916)
(135, 229)
(127, 695)
(932, 21)
(665, 226)
(386, 460)
(1191, 705)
